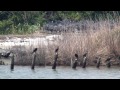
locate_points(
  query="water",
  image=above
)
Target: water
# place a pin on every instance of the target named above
(25, 72)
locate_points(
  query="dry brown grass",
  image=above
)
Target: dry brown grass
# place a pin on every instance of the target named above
(103, 41)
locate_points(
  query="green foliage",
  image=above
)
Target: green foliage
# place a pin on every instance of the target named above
(27, 21)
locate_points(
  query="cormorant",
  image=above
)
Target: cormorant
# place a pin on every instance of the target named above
(56, 50)
(34, 50)
(6, 55)
(76, 55)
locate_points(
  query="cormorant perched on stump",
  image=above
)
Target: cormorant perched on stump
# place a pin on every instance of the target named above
(56, 50)
(6, 55)
(55, 58)
(34, 50)
(75, 63)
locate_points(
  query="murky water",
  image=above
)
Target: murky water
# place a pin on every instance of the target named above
(25, 72)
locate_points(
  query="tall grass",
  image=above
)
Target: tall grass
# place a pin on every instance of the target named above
(103, 42)
(99, 39)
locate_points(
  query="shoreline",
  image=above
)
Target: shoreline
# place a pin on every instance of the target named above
(18, 63)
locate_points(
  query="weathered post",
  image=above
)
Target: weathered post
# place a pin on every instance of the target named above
(34, 58)
(98, 62)
(84, 60)
(108, 62)
(71, 62)
(75, 62)
(33, 61)
(12, 62)
(55, 58)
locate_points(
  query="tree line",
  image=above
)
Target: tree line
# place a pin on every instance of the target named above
(28, 21)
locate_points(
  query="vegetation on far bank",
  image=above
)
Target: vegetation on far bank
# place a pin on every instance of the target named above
(26, 22)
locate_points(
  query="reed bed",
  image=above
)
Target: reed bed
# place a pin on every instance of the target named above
(99, 39)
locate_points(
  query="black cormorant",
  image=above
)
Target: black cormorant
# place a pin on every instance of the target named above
(6, 55)
(56, 50)
(34, 50)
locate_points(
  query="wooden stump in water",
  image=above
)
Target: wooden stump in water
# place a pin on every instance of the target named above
(12, 62)
(71, 62)
(54, 65)
(33, 61)
(55, 58)
(108, 64)
(75, 62)
(98, 62)
(55, 61)
(84, 62)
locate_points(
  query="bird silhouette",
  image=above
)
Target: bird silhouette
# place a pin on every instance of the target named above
(34, 50)
(76, 55)
(84, 60)
(108, 59)
(84, 55)
(6, 55)
(108, 62)
(56, 50)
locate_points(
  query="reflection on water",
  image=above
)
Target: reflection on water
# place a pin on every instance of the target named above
(25, 72)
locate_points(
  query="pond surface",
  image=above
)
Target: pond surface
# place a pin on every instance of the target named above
(25, 72)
